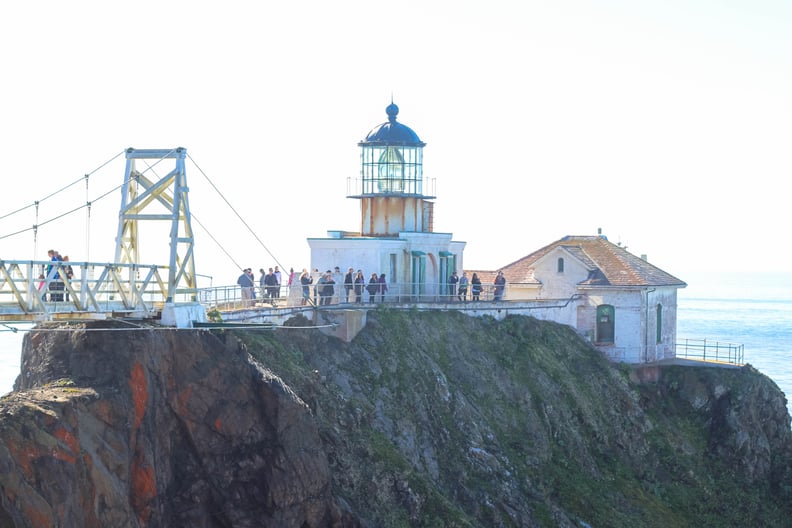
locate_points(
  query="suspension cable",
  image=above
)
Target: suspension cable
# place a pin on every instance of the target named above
(216, 242)
(235, 212)
(36, 203)
(45, 222)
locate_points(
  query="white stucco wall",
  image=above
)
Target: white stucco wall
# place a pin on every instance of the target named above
(373, 255)
(666, 298)
(635, 322)
(557, 285)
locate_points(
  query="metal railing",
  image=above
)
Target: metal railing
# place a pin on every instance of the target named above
(370, 186)
(232, 297)
(716, 351)
(43, 287)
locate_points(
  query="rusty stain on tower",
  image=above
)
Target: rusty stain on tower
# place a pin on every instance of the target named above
(391, 188)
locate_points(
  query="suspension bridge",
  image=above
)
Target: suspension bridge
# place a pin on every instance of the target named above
(57, 289)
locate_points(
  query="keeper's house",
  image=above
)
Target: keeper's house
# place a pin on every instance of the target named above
(623, 304)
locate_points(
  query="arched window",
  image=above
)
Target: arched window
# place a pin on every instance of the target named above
(606, 322)
(560, 265)
(659, 323)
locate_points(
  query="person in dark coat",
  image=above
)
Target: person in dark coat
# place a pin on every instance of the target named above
(271, 284)
(500, 285)
(360, 283)
(475, 287)
(328, 289)
(452, 286)
(349, 284)
(373, 287)
(383, 284)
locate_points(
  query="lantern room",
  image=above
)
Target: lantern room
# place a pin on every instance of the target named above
(391, 186)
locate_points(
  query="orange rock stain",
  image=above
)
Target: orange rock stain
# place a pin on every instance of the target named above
(68, 439)
(144, 487)
(139, 385)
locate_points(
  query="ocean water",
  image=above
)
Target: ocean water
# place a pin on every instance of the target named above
(754, 310)
(10, 355)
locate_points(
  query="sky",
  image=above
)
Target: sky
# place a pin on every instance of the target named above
(666, 124)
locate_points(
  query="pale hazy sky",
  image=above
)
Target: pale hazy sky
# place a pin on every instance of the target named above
(667, 124)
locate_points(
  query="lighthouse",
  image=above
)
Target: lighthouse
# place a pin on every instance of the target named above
(395, 235)
(391, 186)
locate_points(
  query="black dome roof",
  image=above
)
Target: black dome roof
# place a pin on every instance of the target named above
(392, 133)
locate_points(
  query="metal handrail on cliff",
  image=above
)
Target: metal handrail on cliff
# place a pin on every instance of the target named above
(712, 351)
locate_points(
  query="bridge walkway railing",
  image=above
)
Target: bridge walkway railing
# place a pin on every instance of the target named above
(34, 289)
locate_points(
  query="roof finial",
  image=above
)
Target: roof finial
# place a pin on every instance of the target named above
(392, 110)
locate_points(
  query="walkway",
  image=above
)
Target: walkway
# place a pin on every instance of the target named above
(36, 291)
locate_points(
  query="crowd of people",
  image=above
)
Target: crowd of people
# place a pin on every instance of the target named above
(270, 283)
(458, 287)
(334, 287)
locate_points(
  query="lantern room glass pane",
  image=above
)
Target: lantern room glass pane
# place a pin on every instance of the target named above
(391, 169)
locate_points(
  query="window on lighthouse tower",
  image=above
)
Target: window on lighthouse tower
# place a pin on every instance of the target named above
(391, 170)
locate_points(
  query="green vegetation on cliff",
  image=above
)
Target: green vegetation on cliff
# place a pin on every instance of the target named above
(439, 419)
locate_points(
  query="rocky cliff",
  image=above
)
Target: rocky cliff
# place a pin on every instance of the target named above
(424, 419)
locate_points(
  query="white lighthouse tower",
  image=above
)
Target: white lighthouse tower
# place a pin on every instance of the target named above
(396, 215)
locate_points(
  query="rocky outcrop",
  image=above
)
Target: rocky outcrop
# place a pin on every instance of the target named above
(112, 425)
(745, 413)
(423, 419)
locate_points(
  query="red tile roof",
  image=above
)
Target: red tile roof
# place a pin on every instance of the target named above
(608, 265)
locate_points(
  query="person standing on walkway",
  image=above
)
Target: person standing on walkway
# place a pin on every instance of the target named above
(305, 282)
(349, 284)
(56, 286)
(463, 287)
(360, 284)
(319, 289)
(452, 285)
(271, 284)
(373, 287)
(500, 284)
(383, 284)
(316, 278)
(263, 283)
(277, 274)
(246, 285)
(328, 289)
(252, 281)
(69, 272)
(338, 278)
(475, 287)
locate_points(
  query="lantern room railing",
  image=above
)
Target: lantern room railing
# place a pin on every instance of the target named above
(368, 187)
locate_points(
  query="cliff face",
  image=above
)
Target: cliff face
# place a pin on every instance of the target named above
(156, 428)
(424, 419)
